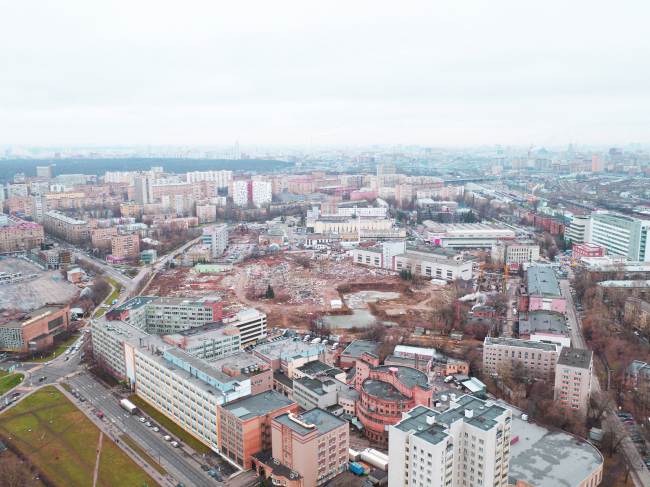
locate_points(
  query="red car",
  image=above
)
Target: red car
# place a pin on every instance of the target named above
(99, 414)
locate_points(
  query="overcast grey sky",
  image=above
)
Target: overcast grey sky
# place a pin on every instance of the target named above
(451, 72)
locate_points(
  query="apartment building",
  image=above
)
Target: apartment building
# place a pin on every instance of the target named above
(468, 444)
(206, 212)
(100, 238)
(216, 238)
(573, 374)
(66, 228)
(36, 330)
(131, 209)
(241, 192)
(244, 425)
(621, 235)
(307, 450)
(261, 192)
(534, 359)
(19, 235)
(221, 178)
(125, 247)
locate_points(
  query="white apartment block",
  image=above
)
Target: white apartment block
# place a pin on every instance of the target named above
(573, 374)
(216, 237)
(222, 178)
(467, 445)
(240, 192)
(503, 355)
(262, 192)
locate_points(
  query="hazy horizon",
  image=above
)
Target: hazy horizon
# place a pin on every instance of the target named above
(342, 73)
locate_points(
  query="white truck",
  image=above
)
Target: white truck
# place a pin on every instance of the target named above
(128, 406)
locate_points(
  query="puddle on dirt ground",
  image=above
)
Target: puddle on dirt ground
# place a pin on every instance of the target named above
(361, 316)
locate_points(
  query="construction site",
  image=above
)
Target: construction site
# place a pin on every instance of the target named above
(309, 288)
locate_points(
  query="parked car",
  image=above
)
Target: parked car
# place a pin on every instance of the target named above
(156, 429)
(167, 438)
(142, 419)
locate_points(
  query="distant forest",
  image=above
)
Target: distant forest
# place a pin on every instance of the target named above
(9, 167)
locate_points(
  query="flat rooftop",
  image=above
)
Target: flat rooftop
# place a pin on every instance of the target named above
(287, 348)
(516, 342)
(408, 376)
(322, 421)
(543, 321)
(359, 347)
(135, 303)
(383, 390)
(541, 281)
(550, 458)
(575, 357)
(32, 316)
(484, 413)
(239, 361)
(316, 367)
(258, 405)
(205, 332)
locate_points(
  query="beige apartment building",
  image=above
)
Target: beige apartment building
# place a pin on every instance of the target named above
(125, 247)
(536, 359)
(100, 238)
(66, 228)
(307, 450)
(573, 374)
(17, 234)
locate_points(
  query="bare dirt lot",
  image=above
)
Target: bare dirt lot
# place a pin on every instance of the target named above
(305, 285)
(32, 293)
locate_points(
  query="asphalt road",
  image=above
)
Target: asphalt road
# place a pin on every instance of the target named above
(174, 460)
(639, 471)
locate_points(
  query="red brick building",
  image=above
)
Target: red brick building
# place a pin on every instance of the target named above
(385, 393)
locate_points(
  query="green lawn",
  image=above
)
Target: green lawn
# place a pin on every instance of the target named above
(62, 443)
(9, 381)
(169, 425)
(60, 348)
